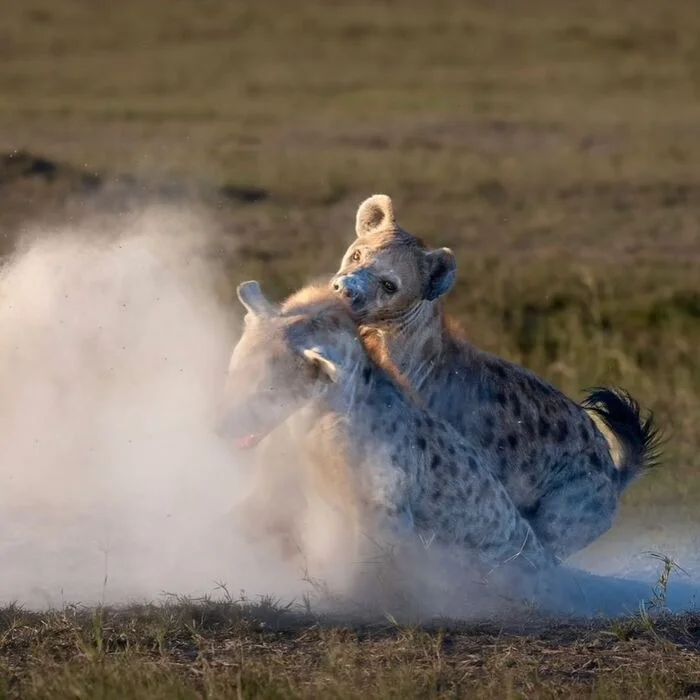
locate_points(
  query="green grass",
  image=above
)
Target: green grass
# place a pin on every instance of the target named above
(554, 146)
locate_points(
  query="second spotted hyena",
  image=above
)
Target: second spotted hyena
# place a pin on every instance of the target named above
(552, 455)
(307, 356)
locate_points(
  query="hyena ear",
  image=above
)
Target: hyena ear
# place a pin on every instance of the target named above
(252, 297)
(320, 359)
(375, 214)
(442, 271)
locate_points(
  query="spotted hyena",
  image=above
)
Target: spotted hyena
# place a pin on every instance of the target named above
(564, 465)
(307, 356)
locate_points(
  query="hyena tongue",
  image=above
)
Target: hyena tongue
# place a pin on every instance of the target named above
(248, 442)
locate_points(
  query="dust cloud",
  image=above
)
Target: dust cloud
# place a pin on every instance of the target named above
(113, 485)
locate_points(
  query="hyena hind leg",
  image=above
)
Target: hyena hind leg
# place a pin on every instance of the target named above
(571, 517)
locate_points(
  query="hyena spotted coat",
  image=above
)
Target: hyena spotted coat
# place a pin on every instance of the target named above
(307, 355)
(552, 455)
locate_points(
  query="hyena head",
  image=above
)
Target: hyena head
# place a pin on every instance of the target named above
(286, 356)
(387, 272)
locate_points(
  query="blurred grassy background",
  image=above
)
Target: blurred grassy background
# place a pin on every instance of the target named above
(554, 146)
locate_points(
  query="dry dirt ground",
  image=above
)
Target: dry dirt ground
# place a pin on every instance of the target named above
(553, 146)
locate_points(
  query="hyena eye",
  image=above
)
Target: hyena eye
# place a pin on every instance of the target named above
(389, 286)
(355, 257)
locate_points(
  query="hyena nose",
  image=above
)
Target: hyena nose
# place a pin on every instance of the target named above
(347, 286)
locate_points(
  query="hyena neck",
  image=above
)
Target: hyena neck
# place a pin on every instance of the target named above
(417, 343)
(364, 383)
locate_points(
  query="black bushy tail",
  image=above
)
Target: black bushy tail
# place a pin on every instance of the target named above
(637, 439)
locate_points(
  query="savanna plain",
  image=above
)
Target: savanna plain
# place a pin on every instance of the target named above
(553, 146)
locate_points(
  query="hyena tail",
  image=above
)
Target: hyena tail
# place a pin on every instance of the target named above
(635, 442)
